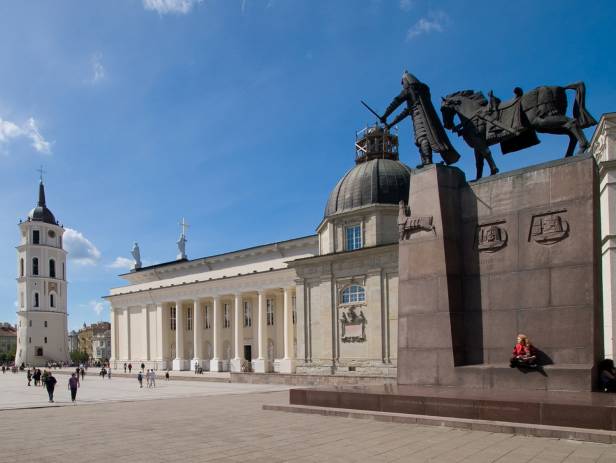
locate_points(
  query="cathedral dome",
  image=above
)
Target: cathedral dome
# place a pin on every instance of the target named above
(375, 181)
(41, 213)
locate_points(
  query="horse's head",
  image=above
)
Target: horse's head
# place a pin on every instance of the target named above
(463, 103)
(449, 106)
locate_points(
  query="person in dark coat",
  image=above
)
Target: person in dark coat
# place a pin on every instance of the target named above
(50, 384)
(73, 384)
(29, 376)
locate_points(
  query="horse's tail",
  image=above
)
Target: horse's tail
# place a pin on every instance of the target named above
(583, 117)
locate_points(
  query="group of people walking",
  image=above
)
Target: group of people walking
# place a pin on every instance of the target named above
(150, 378)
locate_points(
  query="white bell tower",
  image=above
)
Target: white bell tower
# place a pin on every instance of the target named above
(41, 289)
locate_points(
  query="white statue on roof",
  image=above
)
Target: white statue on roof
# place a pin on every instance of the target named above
(182, 241)
(136, 256)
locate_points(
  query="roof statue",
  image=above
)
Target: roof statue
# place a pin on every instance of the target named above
(182, 241)
(429, 132)
(136, 256)
(515, 123)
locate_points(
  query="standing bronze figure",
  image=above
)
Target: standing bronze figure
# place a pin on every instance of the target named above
(429, 132)
(515, 123)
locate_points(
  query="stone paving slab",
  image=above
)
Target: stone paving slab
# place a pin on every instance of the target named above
(14, 392)
(232, 427)
(523, 429)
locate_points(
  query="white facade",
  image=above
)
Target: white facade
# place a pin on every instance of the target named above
(603, 147)
(41, 289)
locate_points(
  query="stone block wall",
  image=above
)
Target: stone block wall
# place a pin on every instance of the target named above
(514, 253)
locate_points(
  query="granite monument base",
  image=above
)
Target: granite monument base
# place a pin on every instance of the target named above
(590, 410)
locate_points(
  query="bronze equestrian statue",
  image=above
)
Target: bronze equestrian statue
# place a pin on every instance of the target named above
(429, 132)
(515, 123)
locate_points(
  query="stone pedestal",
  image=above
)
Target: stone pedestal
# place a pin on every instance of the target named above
(260, 366)
(236, 365)
(180, 364)
(514, 253)
(215, 365)
(284, 366)
(603, 147)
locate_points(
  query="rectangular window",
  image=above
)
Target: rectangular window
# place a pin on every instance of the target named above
(270, 312)
(226, 322)
(29, 322)
(206, 319)
(36, 300)
(294, 309)
(172, 318)
(353, 237)
(189, 319)
(45, 323)
(36, 237)
(247, 314)
(45, 339)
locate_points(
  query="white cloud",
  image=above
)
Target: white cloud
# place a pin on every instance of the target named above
(80, 249)
(9, 131)
(16, 304)
(98, 70)
(406, 5)
(170, 6)
(434, 22)
(122, 263)
(97, 307)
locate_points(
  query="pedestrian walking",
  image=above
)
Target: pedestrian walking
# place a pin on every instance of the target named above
(167, 375)
(109, 373)
(83, 373)
(29, 376)
(140, 379)
(125, 368)
(73, 384)
(153, 378)
(142, 366)
(148, 379)
(130, 367)
(3, 369)
(44, 378)
(50, 384)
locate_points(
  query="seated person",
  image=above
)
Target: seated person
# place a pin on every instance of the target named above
(524, 354)
(607, 375)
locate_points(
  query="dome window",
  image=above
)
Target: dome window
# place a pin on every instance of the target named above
(35, 266)
(52, 268)
(36, 237)
(353, 237)
(51, 234)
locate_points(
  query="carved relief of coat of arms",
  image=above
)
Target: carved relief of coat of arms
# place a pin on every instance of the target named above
(491, 237)
(549, 228)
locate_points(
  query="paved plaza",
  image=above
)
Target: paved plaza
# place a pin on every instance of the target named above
(221, 422)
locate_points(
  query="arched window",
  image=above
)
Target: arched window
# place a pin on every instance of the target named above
(63, 276)
(35, 266)
(52, 268)
(52, 302)
(353, 293)
(36, 300)
(21, 267)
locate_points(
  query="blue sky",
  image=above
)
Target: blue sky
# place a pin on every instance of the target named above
(241, 115)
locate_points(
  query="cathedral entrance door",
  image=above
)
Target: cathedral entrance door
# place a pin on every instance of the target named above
(248, 352)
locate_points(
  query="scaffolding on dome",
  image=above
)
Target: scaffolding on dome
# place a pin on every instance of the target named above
(376, 142)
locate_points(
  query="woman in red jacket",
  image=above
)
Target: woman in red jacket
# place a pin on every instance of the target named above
(524, 354)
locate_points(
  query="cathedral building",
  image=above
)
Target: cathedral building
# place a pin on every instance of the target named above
(41, 289)
(320, 304)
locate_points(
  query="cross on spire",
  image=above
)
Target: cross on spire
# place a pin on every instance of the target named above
(41, 172)
(184, 226)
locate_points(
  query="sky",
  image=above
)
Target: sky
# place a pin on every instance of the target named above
(240, 115)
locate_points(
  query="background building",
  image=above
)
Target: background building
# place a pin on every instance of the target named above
(41, 289)
(8, 342)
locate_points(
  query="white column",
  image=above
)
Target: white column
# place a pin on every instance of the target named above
(238, 335)
(160, 336)
(603, 148)
(147, 332)
(287, 364)
(197, 335)
(215, 362)
(179, 360)
(114, 336)
(261, 363)
(128, 354)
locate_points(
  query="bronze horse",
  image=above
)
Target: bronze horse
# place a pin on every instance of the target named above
(514, 123)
